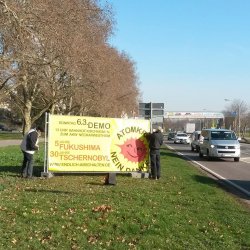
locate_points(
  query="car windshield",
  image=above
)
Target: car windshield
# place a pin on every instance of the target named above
(182, 135)
(223, 135)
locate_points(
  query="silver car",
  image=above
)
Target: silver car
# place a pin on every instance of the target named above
(219, 143)
(182, 138)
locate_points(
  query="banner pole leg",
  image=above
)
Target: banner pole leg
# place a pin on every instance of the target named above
(110, 179)
(45, 172)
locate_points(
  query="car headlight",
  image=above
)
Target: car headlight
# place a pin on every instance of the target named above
(237, 146)
(212, 146)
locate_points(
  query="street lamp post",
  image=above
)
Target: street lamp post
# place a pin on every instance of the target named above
(204, 119)
(239, 119)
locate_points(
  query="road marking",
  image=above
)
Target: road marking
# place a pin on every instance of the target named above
(213, 173)
(245, 159)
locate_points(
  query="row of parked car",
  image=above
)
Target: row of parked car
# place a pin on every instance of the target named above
(4, 128)
(214, 143)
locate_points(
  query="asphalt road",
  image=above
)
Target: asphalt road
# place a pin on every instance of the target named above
(236, 174)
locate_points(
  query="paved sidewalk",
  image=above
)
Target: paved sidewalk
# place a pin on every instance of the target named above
(5, 143)
(247, 139)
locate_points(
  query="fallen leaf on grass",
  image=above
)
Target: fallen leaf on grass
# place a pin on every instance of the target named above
(71, 211)
(102, 208)
(35, 211)
(46, 239)
(92, 239)
(14, 241)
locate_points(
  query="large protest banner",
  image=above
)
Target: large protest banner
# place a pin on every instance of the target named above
(93, 144)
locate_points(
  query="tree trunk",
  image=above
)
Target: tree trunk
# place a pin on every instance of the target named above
(52, 108)
(27, 117)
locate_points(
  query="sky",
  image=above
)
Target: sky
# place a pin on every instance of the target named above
(189, 54)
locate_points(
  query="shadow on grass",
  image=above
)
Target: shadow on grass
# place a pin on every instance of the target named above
(11, 169)
(205, 180)
(169, 154)
(222, 183)
(48, 191)
(16, 170)
(96, 183)
(209, 180)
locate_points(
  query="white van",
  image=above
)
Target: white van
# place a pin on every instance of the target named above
(219, 143)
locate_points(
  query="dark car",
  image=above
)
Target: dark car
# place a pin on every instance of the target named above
(4, 128)
(171, 136)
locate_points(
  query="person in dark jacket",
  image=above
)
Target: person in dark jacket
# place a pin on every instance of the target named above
(155, 142)
(28, 146)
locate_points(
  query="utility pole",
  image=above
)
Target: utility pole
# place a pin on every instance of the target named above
(151, 116)
(239, 119)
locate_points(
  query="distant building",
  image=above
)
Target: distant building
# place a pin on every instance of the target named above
(177, 120)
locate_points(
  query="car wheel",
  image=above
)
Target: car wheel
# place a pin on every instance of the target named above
(197, 149)
(192, 148)
(200, 154)
(237, 159)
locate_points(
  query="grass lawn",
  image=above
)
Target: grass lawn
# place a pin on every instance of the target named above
(10, 136)
(183, 210)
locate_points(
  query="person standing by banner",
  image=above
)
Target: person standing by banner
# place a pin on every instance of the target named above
(155, 142)
(28, 146)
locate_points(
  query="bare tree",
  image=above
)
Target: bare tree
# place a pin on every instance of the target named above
(108, 86)
(116, 83)
(54, 57)
(35, 37)
(238, 110)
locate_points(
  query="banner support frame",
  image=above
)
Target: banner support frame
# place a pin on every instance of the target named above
(45, 172)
